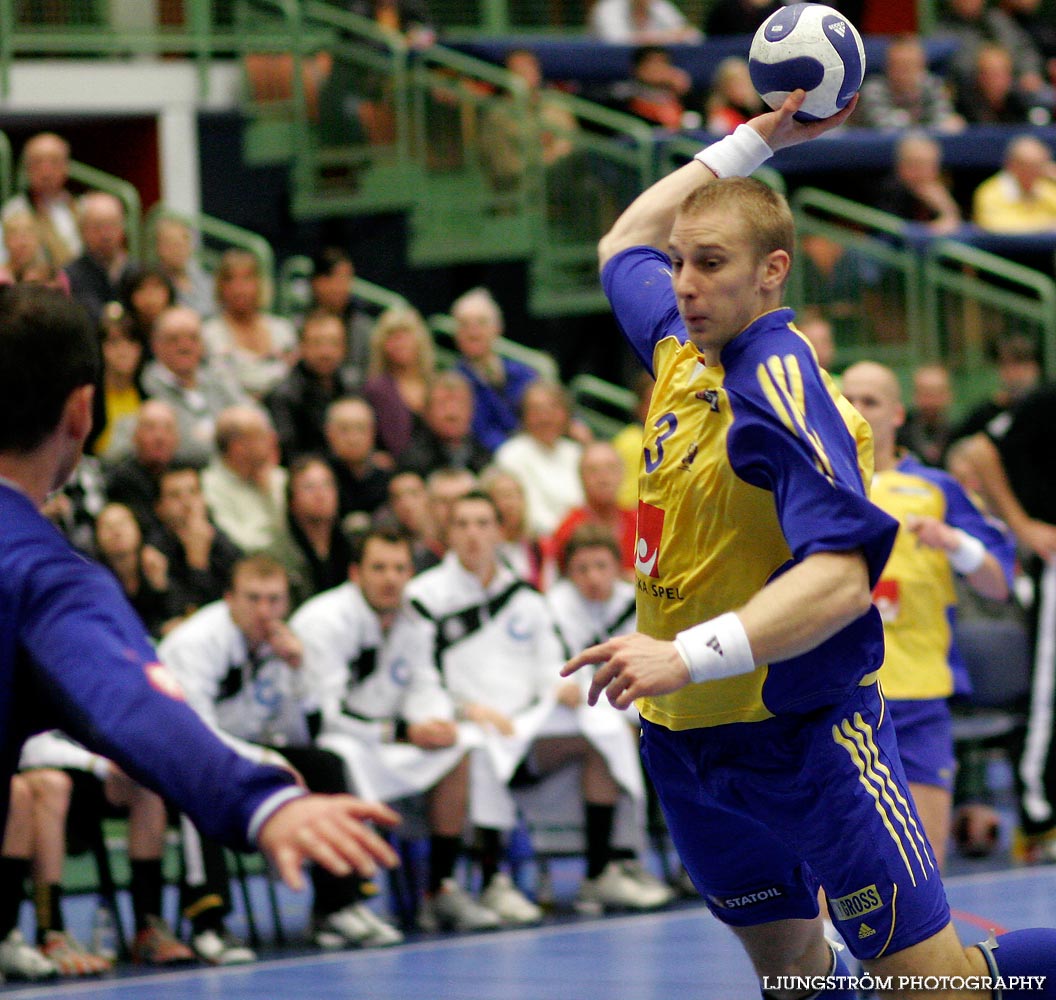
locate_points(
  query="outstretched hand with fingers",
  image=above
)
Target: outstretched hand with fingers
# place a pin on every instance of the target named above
(331, 830)
(630, 667)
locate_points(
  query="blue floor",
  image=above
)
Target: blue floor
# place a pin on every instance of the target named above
(652, 957)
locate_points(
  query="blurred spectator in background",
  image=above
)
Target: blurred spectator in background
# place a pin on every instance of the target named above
(733, 98)
(991, 95)
(95, 276)
(905, 94)
(410, 18)
(331, 285)
(962, 22)
(544, 458)
(513, 142)
(916, 190)
(362, 484)
(257, 346)
(1018, 364)
(1030, 35)
(313, 549)
(200, 556)
(1021, 197)
(498, 382)
(27, 258)
(407, 511)
(142, 570)
(738, 17)
(174, 247)
(46, 159)
(196, 390)
(445, 439)
(298, 404)
(628, 442)
(74, 508)
(601, 472)
(656, 91)
(402, 364)
(640, 22)
(815, 326)
(244, 485)
(145, 293)
(443, 487)
(927, 429)
(528, 555)
(135, 479)
(122, 393)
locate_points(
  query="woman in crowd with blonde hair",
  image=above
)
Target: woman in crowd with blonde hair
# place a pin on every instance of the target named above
(402, 364)
(257, 346)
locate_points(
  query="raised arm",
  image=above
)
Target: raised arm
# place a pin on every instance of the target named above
(647, 221)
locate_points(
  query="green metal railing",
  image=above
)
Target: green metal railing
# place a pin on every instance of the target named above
(293, 293)
(906, 304)
(973, 298)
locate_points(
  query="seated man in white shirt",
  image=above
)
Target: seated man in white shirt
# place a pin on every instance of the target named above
(239, 665)
(386, 713)
(494, 643)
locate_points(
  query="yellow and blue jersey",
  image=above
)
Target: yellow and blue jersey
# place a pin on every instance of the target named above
(748, 468)
(916, 594)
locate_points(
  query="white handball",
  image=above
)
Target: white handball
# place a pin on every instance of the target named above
(808, 46)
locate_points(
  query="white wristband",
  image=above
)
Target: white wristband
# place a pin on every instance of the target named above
(716, 649)
(741, 153)
(969, 554)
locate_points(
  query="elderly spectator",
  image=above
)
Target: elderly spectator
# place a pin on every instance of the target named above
(640, 22)
(244, 486)
(199, 555)
(174, 247)
(95, 276)
(362, 484)
(916, 190)
(46, 157)
(257, 346)
(195, 389)
(134, 479)
(331, 284)
(905, 94)
(446, 438)
(313, 549)
(544, 458)
(601, 472)
(122, 394)
(402, 364)
(298, 404)
(498, 383)
(1021, 197)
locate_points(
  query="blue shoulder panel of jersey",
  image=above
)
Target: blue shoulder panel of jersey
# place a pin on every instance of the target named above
(93, 667)
(637, 282)
(789, 437)
(962, 513)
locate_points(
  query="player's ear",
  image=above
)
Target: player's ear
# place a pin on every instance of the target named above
(77, 413)
(775, 270)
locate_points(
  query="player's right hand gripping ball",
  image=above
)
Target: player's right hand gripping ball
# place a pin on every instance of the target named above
(808, 46)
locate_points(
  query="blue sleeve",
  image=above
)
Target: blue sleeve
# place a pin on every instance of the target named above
(637, 282)
(92, 664)
(806, 456)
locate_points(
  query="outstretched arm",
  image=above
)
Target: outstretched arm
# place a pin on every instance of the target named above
(648, 219)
